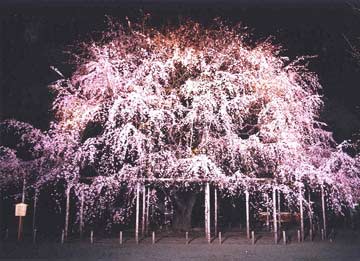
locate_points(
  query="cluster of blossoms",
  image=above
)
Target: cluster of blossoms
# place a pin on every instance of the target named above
(188, 103)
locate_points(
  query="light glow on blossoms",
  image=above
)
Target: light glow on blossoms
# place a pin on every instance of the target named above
(193, 103)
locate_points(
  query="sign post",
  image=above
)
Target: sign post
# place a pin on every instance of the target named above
(20, 211)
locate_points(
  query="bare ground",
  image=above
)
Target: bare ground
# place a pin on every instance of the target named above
(344, 246)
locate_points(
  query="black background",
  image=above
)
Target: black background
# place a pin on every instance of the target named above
(34, 36)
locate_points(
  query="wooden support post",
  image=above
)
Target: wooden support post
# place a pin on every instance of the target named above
(152, 208)
(298, 236)
(34, 212)
(147, 211)
(81, 225)
(120, 237)
(247, 214)
(215, 211)
(92, 237)
(274, 217)
(323, 209)
(143, 211)
(252, 238)
(284, 237)
(279, 208)
(186, 238)
(207, 213)
(153, 237)
(20, 226)
(137, 213)
(267, 212)
(301, 214)
(67, 210)
(62, 236)
(310, 218)
(220, 240)
(23, 190)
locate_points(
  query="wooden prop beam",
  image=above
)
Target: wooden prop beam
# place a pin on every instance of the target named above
(147, 211)
(274, 217)
(279, 208)
(216, 212)
(67, 211)
(23, 190)
(247, 214)
(34, 211)
(207, 212)
(195, 180)
(20, 226)
(310, 218)
(267, 212)
(301, 215)
(81, 225)
(323, 209)
(137, 213)
(143, 223)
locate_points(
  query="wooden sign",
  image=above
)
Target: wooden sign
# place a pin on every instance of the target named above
(20, 210)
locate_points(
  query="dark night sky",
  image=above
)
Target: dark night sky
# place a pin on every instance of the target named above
(33, 37)
(203, 2)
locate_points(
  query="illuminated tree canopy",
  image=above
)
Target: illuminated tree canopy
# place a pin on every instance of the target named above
(190, 103)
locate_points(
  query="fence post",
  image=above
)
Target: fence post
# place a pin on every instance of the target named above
(92, 237)
(153, 237)
(252, 238)
(220, 241)
(121, 237)
(331, 236)
(34, 236)
(186, 238)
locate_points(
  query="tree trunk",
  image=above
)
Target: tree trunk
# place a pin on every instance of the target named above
(183, 205)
